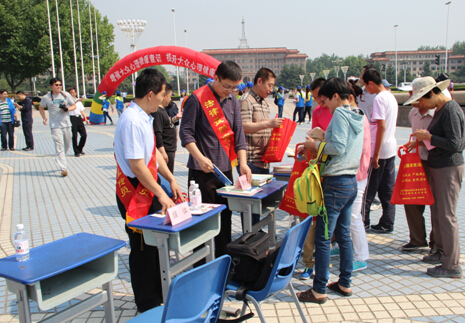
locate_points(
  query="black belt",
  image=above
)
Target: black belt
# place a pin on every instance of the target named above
(75, 116)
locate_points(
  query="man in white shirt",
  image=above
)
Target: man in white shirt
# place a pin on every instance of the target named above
(382, 176)
(58, 103)
(77, 125)
(138, 192)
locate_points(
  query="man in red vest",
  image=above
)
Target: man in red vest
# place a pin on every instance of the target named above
(137, 191)
(211, 130)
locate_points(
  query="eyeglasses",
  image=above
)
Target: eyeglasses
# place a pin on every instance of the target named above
(227, 87)
(58, 84)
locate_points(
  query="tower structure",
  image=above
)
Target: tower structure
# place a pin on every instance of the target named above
(243, 43)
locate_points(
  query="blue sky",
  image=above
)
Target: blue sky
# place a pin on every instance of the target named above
(314, 27)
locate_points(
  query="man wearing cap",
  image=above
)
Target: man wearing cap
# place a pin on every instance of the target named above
(212, 133)
(383, 151)
(420, 118)
(446, 141)
(280, 101)
(119, 103)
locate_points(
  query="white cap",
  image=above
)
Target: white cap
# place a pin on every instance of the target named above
(20, 227)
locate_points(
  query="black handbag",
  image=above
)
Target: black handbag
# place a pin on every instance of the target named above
(17, 124)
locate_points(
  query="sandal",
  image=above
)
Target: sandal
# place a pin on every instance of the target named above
(309, 297)
(336, 288)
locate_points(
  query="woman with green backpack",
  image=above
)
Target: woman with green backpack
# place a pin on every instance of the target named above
(343, 145)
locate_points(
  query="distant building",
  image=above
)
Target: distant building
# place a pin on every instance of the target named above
(252, 59)
(414, 60)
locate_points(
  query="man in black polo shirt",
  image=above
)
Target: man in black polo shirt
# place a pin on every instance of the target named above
(26, 119)
(165, 130)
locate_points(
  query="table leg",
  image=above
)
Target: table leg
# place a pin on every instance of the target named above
(272, 226)
(164, 257)
(22, 300)
(109, 306)
(247, 211)
(211, 255)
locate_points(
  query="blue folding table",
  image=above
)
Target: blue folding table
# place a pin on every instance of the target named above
(59, 271)
(264, 203)
(183, 237)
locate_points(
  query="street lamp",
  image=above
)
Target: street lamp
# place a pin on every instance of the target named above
(74, 46)
(177, 67)
(344, 70)
(187, 68)
(301, 79)
(82, 57)
(59, 44)
(447, 30)
(395, 46)
(312, 75)
(336, 67)
(92, 49)
(51, 40)
(326, 73)
(132, 29)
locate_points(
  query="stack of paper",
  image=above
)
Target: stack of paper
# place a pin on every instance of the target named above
(234, 191)
(260, 180)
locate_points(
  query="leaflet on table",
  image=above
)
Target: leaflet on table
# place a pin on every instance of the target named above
(219, 174)
(204, 208)
(233, 191)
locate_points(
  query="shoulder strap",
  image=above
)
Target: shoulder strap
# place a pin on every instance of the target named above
(322, 158)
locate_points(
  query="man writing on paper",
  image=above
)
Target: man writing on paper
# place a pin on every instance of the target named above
(212, 133)
(255, 111)
(137, 191)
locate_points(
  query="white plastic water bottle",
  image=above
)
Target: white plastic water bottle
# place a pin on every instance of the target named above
(21, 244)
(191, 194)
(197, 198)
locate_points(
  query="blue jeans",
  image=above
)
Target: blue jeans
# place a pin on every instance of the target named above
(105, 116)
(280, 111)
(255, 170)
(339, 193)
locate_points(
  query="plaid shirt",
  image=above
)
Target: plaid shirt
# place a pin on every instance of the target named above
(256, 109)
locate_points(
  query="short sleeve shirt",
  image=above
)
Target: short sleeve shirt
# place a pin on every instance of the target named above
(385, 107)
(255, 109)
(58, 118)
(79, 109)
(134, 138)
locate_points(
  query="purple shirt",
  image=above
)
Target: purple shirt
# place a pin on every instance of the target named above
(195, 127)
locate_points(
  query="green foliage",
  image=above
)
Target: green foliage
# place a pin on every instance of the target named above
(458, 48)
(25, 46)
(438, 47)
(325, 62)
(426, 70)
(391, 74)
(289, 77)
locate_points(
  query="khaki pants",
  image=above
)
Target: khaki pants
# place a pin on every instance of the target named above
(62, 138)
(309, 246)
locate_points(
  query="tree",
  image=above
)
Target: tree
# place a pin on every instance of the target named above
(391, 74)
(426, 70)
(439, 47)
(458, 48)
(25, 46)
(289, 77)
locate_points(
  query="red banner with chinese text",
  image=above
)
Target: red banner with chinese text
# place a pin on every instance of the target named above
(280, 139)
(136, 201)
(288, 201)
(218, 121)
(412, 185)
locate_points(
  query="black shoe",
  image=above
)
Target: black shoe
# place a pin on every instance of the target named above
(28, 149)
(379, 229)
(441, 272)
(24, 148)
(433, 259)
(409, 246)
(82, 153)
(77, 154)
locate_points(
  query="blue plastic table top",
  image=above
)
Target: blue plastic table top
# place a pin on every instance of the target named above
(267, 190)
(156, 224)
(281, 174)
(57, 257)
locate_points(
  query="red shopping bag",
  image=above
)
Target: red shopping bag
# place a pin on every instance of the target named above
(411, 186)
(288, 201)
(280, 139)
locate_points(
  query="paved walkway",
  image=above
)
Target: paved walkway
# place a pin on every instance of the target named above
(393, 288)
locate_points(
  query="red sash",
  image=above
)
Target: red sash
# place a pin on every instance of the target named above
(137, 201)
(218, 121)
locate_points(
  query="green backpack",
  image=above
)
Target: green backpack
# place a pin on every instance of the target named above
(308, 193)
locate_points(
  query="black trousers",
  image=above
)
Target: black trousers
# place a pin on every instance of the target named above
(381, 180)
(8, 128)
(171, 156)
(144, 264)
(77, 126)
(208, 183)
(28, 137)
(309, 111)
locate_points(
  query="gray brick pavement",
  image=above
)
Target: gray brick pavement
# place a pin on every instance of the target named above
(393, 288)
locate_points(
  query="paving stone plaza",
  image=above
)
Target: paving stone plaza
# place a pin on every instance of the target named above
(394, 288)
